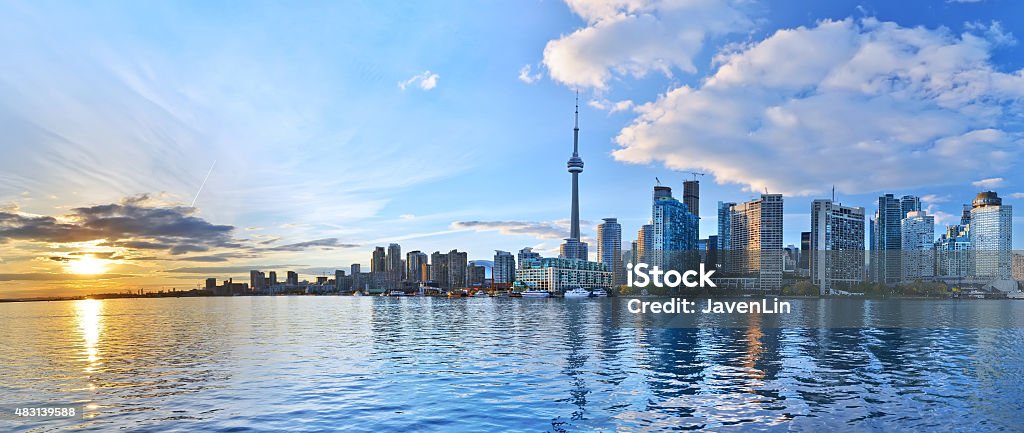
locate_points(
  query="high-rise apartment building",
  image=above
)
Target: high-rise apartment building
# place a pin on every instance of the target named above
(414, 261)
(886, 244)
(457, 263)
(836, 244)
(691, 196)
(439, 269)
(991, 236)
(526, 254)
(917, 234)
(675, 232)
(953, 251)
(504, 270)
(755, 241)
(609, 249)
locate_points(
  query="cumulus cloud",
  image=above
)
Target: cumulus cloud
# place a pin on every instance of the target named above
(527, 75)
(426, 81)
(611, 106)
(635, 37)
(864, 105)
(992, 182)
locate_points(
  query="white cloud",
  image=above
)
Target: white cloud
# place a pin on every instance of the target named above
(934, 198)
(864, 105)
(538, 229)
(611, 106)
(635, 37)
(1017, 195)
(992, 182)
(426, 81)
(527, 75)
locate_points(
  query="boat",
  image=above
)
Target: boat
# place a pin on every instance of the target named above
(395, 293)
(480, 294)
(357, 293)
(578, 292)
(534, 293)
(599, 293)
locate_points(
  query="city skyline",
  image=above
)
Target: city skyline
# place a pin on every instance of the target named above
(166, 176)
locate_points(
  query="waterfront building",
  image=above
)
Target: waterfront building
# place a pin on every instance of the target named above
(885, 238)
(414, 261)
(917, 234)
(804, 266)
(439, 269)
(836, 245)
(675, 232)
(378, 262)
(755, 241)
(342, 282)
(556, 274)
(272, 278)
(393, 265)
(573, 248)
(526, 254)
(211, 284)
(609, 249)
(644, 242)
(1018, 267)
(952, 251)
(292, 278)
(723, 230)
(476, 275)
(457, 263)
(711, 256)
(991, 237)
(355, 270)
(691, 196)
(504, 270)
(257, 280)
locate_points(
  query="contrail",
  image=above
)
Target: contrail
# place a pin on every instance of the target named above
(203, 184)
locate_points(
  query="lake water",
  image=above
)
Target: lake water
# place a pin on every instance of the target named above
(497, 364)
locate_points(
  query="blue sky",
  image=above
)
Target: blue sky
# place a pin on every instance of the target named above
(336, 126)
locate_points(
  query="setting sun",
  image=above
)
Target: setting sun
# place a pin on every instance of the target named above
(87, 265)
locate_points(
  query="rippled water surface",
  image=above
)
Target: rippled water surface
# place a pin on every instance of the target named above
(498, 364)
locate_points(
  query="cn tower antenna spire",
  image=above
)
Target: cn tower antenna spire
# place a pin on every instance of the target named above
(576, 128)
(575, 166)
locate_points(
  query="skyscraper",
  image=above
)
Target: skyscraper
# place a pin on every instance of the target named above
(952, 251)
(991, 236)
(675, 232)
(836, 245)
(609, 249)
(644, 238)
(573, 248)
(526, 254)
(414, 261)
(357, 276)
(723, 231)
(439, 269)
(691, 196)
(755, 241)
(917, 235)
(257, 280)
(504, 270)
(909, 203)
(457, 263)
(393, 264)
(886, 242)
(292, 278)
(378, 261)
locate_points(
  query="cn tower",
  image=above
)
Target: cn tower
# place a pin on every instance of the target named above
(573, 248)
(575, 165)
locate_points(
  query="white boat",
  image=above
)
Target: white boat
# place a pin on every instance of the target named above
(396, 293)
(533, 293)
(480, 294)
(578, 292)
(599, 293)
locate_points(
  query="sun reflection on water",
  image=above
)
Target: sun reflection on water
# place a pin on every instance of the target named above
(90, 324)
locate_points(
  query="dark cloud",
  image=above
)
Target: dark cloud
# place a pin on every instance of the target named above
(133, 224)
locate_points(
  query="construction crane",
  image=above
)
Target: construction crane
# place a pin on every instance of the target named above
(695, 174)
